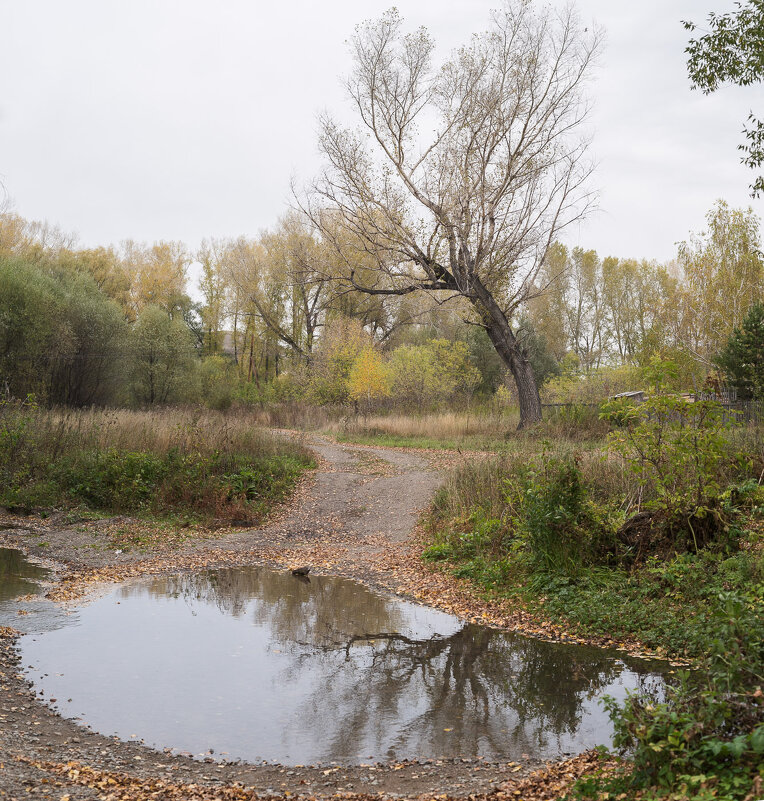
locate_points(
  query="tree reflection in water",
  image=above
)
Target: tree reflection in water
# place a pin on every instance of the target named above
(15, 570)
(375, 676)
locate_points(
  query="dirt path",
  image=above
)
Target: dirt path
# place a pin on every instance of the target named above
(354, 516)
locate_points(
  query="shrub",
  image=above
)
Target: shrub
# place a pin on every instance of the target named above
(676, 449)
(705, 738)
(562, 527)
(206, 464)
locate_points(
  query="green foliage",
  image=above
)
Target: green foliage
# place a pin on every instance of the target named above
(562, 528)
(487, 362)
(743, 357)
(706, 736)
(730, 52)
(540, 516)
(480, 550)
(201, 466)
(543, 361)
(162, 358)
(425, 376)
(218, 382)
(60, 336)
(551, 540)
(675, 448)
(326, 380)
(593, 387)
(666, 604)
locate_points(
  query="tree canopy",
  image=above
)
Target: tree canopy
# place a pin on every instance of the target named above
(742, 359)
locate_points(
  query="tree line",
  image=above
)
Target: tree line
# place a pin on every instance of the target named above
(279, 319)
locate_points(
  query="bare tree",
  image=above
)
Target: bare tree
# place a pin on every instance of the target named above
(472, 209)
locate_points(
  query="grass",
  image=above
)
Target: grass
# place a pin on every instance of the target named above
(477, 431)
(543, 529)
(198, 463)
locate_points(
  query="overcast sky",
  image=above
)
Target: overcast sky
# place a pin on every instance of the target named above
(180, 119)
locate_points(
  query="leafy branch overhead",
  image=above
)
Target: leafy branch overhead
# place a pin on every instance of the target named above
(732, 51)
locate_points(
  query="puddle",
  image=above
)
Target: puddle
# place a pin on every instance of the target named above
(22, 605)
(259, 665)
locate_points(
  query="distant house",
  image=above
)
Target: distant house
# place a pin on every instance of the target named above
(227, 345)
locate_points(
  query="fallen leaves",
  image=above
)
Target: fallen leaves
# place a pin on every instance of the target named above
(554, 780)
(548, 783)
(321, 530)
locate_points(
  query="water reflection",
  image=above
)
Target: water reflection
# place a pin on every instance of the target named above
(261, 665)
(15, 572)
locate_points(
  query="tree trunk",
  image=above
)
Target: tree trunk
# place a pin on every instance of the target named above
(514, 358)
(512, 354)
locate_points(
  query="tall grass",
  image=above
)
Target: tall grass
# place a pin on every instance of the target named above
(488, 484)
(470, 430)
(443, 428)
(163, 461)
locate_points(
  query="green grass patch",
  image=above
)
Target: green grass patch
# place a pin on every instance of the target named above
(384, 439)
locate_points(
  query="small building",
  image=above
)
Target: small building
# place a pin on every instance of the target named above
(636, 395)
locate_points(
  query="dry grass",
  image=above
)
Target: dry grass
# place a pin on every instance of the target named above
(480, 428)
(192, 431)
(486, 483)
(442, 425)
(159, 461)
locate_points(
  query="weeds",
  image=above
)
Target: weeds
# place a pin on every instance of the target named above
(549, 528)
(144, 462)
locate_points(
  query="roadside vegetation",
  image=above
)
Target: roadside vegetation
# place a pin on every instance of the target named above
(120, 395)
(657, 538)
(195, 465)
(450, 327)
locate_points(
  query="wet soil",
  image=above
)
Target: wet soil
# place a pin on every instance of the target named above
(354, 516)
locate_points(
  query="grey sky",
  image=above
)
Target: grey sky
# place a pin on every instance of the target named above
(180, 119)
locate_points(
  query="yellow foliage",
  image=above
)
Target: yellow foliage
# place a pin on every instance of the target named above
(369, 377)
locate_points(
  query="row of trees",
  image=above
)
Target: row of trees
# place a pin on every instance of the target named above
(67, 342)
(82, 326)
(453, 190)
(604, 312)
(402, 224)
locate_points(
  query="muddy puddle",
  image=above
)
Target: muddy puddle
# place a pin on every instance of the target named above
(260, 665)
(22, 602)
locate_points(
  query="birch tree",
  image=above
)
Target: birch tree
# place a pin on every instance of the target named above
(459, 178)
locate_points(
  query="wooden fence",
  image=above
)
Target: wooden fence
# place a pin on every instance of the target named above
(745, 412)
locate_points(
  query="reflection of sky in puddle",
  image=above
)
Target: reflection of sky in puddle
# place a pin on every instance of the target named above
(259, 665)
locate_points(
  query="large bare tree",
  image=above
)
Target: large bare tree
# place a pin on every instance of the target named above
(460, 177)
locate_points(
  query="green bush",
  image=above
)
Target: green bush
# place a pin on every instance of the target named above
(677, 450)
(159, 463)
(563, 529)
(61, 338)
(705, 737)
